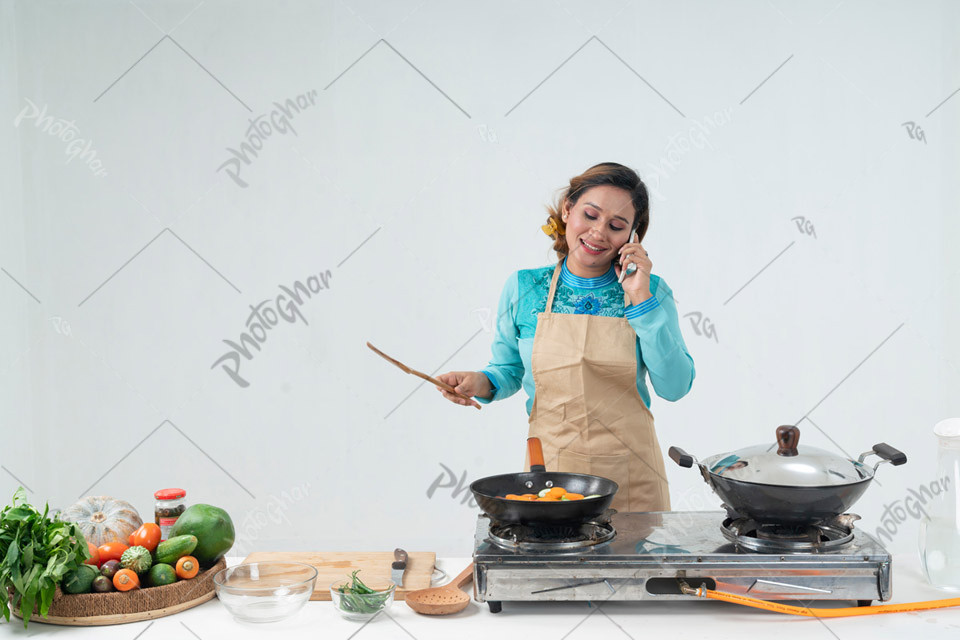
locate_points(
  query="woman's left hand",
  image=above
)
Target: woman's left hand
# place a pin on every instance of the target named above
(637, 284)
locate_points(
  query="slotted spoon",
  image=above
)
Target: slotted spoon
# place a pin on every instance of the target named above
(439, 601)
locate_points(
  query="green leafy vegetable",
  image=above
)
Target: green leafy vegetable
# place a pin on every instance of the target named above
(359, 598)
(35, 554)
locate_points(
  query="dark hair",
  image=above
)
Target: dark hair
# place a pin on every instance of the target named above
(605, 173)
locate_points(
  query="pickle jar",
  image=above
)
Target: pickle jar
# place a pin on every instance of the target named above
(170, 504)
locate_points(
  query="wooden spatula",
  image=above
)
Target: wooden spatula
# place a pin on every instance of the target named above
(440, 601)
(406, 369)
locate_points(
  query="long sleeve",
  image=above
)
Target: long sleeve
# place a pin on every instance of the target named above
(505, 370)
(661, 344)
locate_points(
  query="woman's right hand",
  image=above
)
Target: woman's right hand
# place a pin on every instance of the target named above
(469, 383)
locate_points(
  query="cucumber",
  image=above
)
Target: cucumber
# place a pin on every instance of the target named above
(544, 492)
(161, 574)
(169, 551)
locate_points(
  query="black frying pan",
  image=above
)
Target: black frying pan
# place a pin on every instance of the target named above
(487, 492)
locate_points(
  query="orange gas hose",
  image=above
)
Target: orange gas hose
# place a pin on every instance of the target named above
(821, 613)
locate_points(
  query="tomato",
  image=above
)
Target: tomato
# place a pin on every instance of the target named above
(147, 536)
(125, 580)
(94, 555)
(187, 567)
(112, 551)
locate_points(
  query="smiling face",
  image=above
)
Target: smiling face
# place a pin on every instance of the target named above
(596, 227)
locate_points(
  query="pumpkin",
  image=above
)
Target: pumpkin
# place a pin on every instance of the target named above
(103, 519)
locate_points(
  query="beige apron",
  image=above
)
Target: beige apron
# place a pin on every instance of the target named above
(587, 410)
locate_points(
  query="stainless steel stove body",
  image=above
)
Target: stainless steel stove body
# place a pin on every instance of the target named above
(650, 551)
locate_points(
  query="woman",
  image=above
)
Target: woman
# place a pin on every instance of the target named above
(581, 344)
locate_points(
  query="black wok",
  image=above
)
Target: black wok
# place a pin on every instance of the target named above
(781, 486)
(488, 492)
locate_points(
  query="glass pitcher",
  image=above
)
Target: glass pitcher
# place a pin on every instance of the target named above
(940, 528)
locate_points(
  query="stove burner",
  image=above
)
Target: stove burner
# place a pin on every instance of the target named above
(773, 537)
(551, 538)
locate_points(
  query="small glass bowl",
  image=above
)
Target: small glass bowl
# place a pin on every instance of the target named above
(265, 591)
(355, 606)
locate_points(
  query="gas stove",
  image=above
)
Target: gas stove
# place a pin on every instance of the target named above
(649, 556)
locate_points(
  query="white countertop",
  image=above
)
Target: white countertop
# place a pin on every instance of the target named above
(552, 621)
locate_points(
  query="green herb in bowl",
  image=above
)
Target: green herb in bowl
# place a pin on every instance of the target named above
(356, 601)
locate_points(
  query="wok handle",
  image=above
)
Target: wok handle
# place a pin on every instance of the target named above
(888, 453)
(680, 456)
(788, 437)
(535, 450)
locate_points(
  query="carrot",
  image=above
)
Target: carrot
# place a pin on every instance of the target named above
(125, 580)
(187, 567)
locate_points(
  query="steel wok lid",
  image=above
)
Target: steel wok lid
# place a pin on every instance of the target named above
(785, 463)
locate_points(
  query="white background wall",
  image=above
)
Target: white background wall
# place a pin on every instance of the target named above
(418, 179)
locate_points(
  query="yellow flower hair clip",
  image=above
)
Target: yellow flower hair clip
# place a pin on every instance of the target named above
(552, 229)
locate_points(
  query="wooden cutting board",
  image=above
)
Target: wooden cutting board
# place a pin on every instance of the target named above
(333, 566)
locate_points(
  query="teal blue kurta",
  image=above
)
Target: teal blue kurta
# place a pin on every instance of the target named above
(661, 352)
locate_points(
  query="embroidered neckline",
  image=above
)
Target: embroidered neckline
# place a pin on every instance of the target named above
(571, 280)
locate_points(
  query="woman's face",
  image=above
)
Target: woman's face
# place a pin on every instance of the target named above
(597, 226)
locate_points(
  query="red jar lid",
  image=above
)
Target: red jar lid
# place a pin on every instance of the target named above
(169, 494)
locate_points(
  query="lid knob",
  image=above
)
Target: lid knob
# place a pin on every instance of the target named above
(788, 436)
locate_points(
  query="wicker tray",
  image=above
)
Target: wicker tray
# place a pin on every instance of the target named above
(95, 609)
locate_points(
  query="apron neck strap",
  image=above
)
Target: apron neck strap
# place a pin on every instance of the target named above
(553, 289)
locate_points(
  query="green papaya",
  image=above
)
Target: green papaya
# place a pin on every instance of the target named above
(213, 528)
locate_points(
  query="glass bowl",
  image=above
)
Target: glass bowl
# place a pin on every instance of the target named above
(355, 606)
(265, 591)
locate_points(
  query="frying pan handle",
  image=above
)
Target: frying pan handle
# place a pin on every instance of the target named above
(535, 450)
(888, 453)
(788, 437)
(680, 456)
